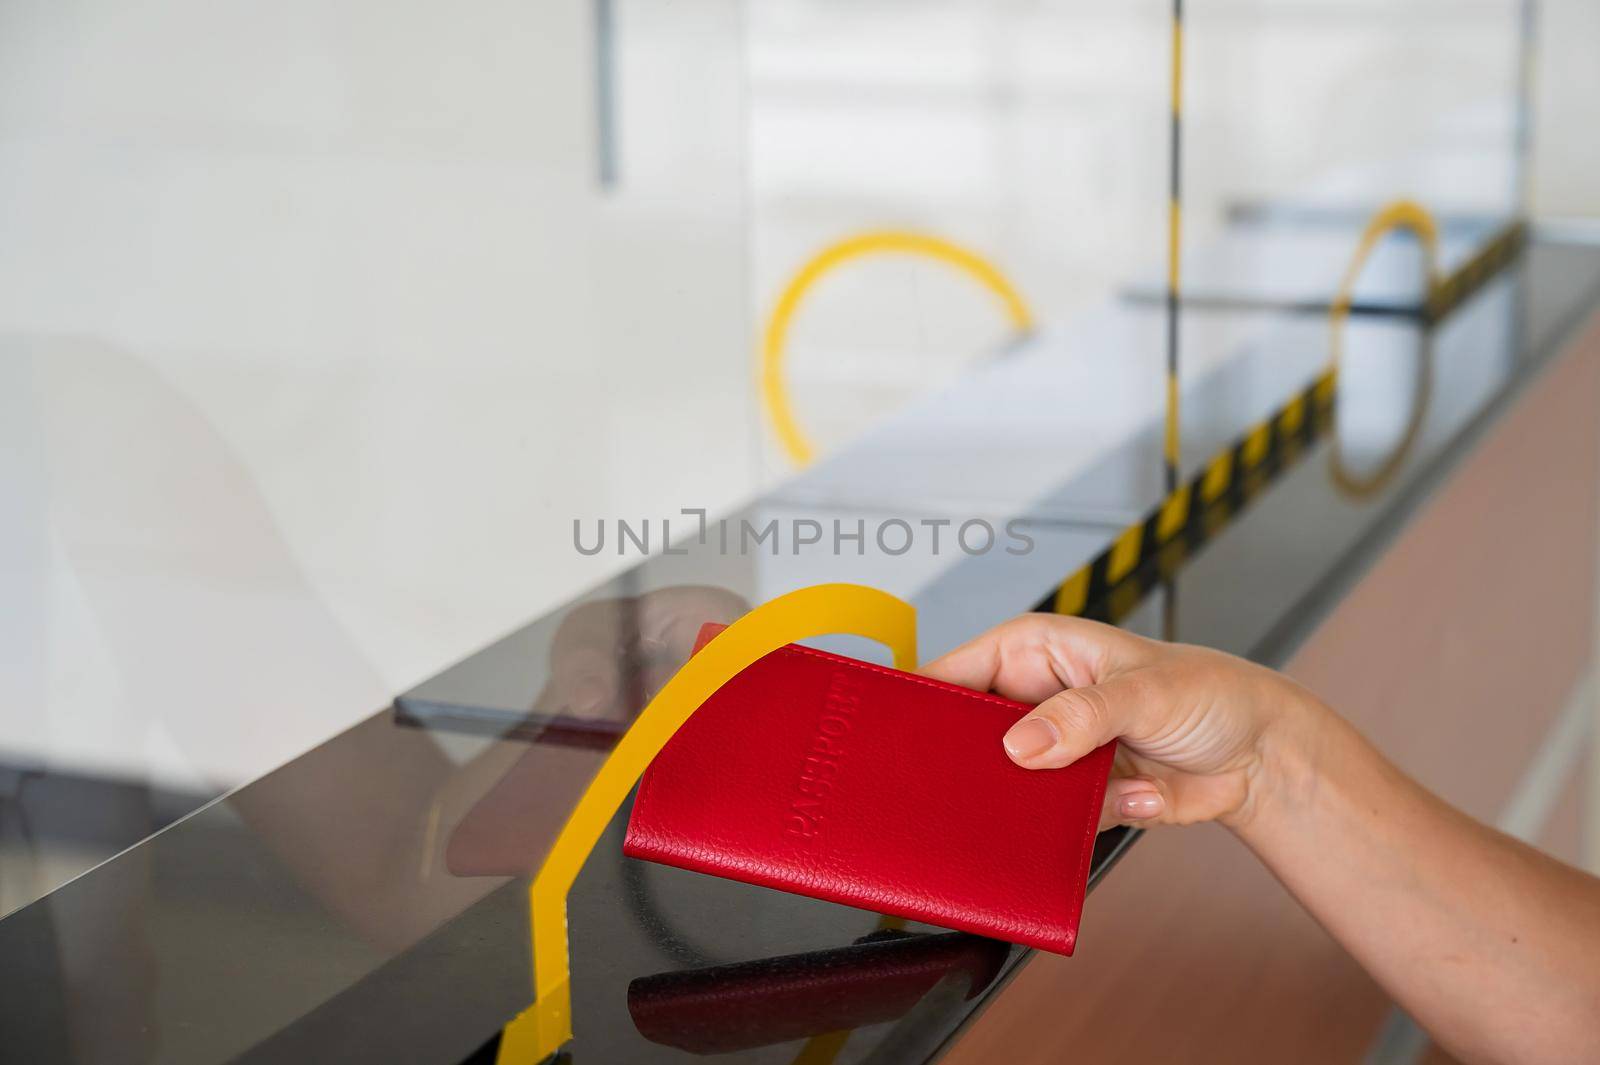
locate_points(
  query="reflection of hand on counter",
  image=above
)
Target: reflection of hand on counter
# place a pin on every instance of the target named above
(607, 658)
(1488, 943)
(610, 655)
(406, 812)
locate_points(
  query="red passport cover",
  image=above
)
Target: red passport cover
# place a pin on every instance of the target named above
(879, 789)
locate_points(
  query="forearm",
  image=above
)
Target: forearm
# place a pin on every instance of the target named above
(1492, 946)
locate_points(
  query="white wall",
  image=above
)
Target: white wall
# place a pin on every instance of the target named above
(316, 332)
(1566, 178)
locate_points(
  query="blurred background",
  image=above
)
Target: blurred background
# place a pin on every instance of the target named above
(321, 324)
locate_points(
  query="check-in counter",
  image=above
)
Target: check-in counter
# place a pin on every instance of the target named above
(370, 900)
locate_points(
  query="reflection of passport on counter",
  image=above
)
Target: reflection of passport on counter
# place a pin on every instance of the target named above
(863, 785)
(775, 1000)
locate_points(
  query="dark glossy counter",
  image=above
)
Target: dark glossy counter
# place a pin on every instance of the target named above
(368, 901)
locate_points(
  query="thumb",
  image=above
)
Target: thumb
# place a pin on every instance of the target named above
(1070, 724)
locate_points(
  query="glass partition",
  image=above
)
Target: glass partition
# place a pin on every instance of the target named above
(1304, 124)
(319, 327)
(1023, 145)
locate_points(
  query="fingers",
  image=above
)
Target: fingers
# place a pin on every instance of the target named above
(1033, 656)
(1070, 724)
(975, 664)
(608, 655)
(585, 653)
(1132, 801)
(669, 619)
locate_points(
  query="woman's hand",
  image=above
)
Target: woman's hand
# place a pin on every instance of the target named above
(1198, 728)
(1487, 942)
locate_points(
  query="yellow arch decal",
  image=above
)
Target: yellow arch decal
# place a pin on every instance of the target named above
(774, 392)
(819, 610)
(1401, 214)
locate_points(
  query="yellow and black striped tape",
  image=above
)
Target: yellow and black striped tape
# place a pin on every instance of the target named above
(1495, 255)
(1153, 549)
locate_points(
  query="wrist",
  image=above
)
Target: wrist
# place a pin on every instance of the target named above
(1293, 744)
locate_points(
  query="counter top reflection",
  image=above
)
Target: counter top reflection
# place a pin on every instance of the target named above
(368, 901)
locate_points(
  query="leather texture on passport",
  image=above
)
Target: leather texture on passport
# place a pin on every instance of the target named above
(863, 785)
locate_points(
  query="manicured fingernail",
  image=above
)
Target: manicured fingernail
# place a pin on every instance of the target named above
(1030, 736)
(1141, 805)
